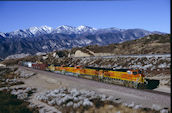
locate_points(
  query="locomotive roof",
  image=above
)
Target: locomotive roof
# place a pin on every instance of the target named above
(123, 70)
(98, 68)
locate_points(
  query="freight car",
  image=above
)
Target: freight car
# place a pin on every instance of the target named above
(127, 77)
(39, 66)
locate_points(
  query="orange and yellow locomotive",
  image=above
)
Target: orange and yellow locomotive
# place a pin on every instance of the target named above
(127, 77)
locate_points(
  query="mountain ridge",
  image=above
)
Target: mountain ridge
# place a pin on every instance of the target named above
(46, 39)
(65, 29)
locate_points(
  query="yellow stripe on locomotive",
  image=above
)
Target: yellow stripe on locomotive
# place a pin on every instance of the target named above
(128, 75)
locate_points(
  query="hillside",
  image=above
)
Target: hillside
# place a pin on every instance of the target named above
(152, 44)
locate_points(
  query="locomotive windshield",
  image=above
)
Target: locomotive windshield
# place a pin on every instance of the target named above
(140, 72)
(134, 73)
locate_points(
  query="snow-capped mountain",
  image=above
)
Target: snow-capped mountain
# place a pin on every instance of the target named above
(65, 29)
(46, 39)
(2, 34)
(42, 29)
(84, 29)
(74, 30)
(30, 32)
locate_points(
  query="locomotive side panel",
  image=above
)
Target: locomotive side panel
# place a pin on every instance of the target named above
(129, 78)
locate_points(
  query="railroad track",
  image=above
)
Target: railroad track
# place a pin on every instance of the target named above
(105, 83)
(157, 92)
(144, 97)
(144, 90)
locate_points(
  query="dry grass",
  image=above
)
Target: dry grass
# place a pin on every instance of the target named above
(104, 107)
(10, 104)
(115, 109)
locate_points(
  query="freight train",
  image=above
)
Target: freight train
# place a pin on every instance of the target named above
(127, 77)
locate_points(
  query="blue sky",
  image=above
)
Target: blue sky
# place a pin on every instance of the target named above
(153, 15)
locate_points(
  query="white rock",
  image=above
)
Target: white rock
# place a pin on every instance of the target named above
(164, 111)
(52, 102)
(131, 105)
(124, 104)
(156, 107)
(76, 105)
(138, 106)
(59, 102)
(69, 104)
(118, 112)
(22, 96)
(87, 103)
(2, 65)
(75, 99)
(110, 98)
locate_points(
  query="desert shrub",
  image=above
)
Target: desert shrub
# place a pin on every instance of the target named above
(10, 104)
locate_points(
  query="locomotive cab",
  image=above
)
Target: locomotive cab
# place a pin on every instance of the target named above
(139, 74)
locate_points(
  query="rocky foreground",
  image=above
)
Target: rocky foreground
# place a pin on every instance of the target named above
(61, 99)
(89, 101)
